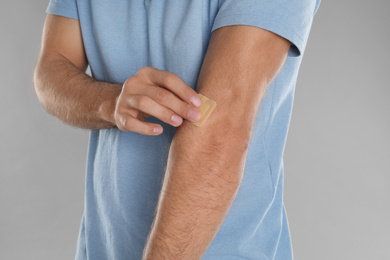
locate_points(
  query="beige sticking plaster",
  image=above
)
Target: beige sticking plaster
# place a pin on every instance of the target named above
(206, 109)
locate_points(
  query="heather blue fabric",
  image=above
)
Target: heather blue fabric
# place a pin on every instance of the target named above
(125, 170)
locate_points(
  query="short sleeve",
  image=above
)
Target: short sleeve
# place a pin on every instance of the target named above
(67, 8)
(290, 19)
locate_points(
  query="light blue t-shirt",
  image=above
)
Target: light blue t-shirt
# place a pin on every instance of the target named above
(125, 170)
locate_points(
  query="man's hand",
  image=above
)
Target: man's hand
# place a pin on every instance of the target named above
(157, 93)
(79, 100)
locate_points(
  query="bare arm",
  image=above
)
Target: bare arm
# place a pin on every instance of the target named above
(206, 164)
(77, 99)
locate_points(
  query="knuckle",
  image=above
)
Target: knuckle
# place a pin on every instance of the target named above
(127, 125)
(161, 95)
(141, 73)
(122, 123)
(169, 79)
(119, 116)
(143, 102)
(144, 71)
(129, 86)
(129, 102)
(130, 81)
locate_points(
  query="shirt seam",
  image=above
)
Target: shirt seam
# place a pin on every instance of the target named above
(260, 19)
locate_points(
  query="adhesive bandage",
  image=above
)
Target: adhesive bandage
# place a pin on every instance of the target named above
(206, 109)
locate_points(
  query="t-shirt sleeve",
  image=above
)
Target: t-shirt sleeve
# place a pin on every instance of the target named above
(290, 19)
(67, 8)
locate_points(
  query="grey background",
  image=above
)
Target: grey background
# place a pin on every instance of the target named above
(337, 176)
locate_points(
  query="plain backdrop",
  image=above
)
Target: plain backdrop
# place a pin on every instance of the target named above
(337, 187)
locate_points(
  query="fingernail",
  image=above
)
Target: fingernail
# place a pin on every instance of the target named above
(194, 115)
(177, 120)
(157, 130)
(195, 100)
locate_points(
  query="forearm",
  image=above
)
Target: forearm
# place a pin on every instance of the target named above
(71, 95)
(206, 164)
(197, 193)
(204, 171)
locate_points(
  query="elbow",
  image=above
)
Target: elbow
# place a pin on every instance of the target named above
(229, 154)
(232, 145)
(234, 138)
(241, 143)
(235, 156)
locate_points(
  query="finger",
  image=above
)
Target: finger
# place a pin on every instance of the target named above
(149, 106)
(131, 124)
(174, 83)
(169, 100)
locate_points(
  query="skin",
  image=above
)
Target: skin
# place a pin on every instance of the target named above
(66, 92)
(205, 164)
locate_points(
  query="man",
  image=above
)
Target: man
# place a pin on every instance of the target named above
(159, 187)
